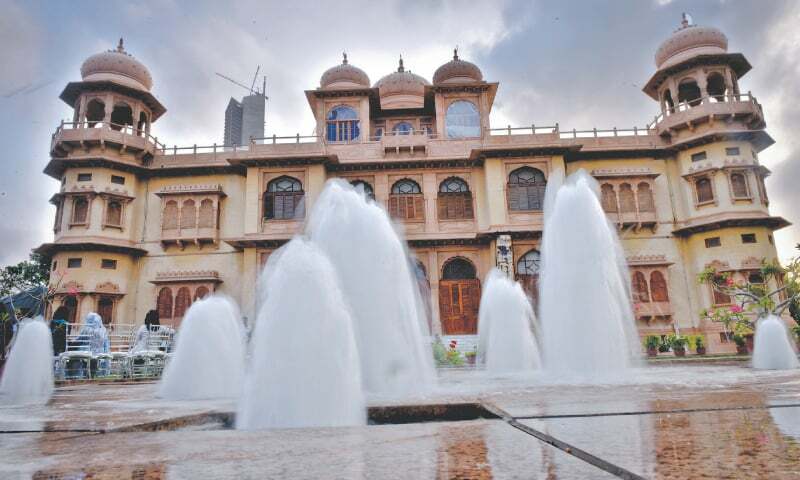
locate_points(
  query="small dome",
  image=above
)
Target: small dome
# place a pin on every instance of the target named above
(688, 41)
(117, 66)
(344, 76)
(401, 83)
(457, 71)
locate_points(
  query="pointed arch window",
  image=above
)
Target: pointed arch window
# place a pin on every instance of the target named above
(454, 200)
(527, 274)
(364, 187)
(342, 124)
(704, 190)
(403, 128)
(658, 287)
(183, 299)
(201, 292)
(283, 199)
(462, 120)
(164, 303)
(80, 211)
(526, 187)
(169, 220)
(608, 198)
(206, 217)
(188, 214)
(114, 213)
(627, 201)
(644, 195)
(739, 186)
(639, 288)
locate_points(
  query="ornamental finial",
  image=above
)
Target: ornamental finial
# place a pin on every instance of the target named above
(120, 48)
(455, 53)
(344, 58)
(400, 68)
(686, 20)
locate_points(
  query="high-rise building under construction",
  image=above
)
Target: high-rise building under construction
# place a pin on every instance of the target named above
(244, 120)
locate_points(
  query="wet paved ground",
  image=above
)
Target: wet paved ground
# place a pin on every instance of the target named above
(666, 422)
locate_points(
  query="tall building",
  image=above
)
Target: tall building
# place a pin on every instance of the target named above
(141, 226)
(244, 120)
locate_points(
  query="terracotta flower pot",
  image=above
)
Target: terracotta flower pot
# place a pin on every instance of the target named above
(701, 350)
(652, 351)
(679, 352)
(470, 359)
(741, 349)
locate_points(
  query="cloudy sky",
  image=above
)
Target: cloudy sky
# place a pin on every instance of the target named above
(581, 64)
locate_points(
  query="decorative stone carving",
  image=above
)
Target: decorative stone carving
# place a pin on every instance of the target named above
(505, 255)
(107, 288)
(653, 259)
(186, 276)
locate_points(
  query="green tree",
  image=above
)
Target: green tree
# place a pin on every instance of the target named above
(26, 274)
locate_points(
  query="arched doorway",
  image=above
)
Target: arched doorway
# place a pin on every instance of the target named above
(459, 297)
(528, 267)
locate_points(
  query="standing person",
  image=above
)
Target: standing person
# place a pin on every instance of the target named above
(151, 322)
(58, 329)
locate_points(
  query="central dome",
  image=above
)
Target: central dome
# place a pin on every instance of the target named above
(117, 66)
(457, 71)
(689, 41)
(401, 89)
(344, 76)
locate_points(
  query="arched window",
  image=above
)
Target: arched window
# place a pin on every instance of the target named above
(201, 292)
(188, 214)
(658, 287)
(80, 211)
(283, 199)
(206, 214)
(526, 188)
(645, 196)
(105, 308)
(95, 112)
(454, 200)
(527, 275)
(669, 104)
(121, 116)
(403, 128)
(458, 269)
(182, 301)
(406, 201)
(608, 198)
(343, 124)
(627, 202)
(705, 193)
(142, 124)
(364, 187)
(164, 303)
(114, 213)
(689, 92)
(71, 304)
(169, 219)
(462, 120)
(716, 87)
(639, 288)
(739, 185)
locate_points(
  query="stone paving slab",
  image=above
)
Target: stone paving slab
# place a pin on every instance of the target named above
(480, 449)
(746, 444)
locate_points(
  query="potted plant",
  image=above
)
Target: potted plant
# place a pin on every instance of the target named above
(663, 347)
(796, 330)
(741, 344)
(699, 346)
(470, 357)
(651, 343)
(678, 344)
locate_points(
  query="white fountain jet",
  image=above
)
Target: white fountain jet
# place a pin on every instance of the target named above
(372, 266)
(773, 348)
(28, 374)
(505, 327)
(209, 353)
(588, 329)
(304, 368)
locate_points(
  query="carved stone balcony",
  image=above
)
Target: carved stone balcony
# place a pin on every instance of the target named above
(740, 107)
(412, 142)
(71, 135)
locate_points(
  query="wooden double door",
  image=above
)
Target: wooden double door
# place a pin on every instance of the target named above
(458, 306)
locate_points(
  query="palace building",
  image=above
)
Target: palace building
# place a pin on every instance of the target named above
(142, 225)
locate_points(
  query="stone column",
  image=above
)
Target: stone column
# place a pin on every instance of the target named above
(109, 108)
(702, 82)
(504, 255)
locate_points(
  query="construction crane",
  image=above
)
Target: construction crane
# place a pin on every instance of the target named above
(251, 88)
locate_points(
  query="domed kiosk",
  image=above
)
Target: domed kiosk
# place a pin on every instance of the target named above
(401, 89)
(457, 71)
(344, 76)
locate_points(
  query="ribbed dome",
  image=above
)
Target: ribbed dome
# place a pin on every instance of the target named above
(117, 66)
(401, 83)
(344, 76)
(689, 41)
(457, 71)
